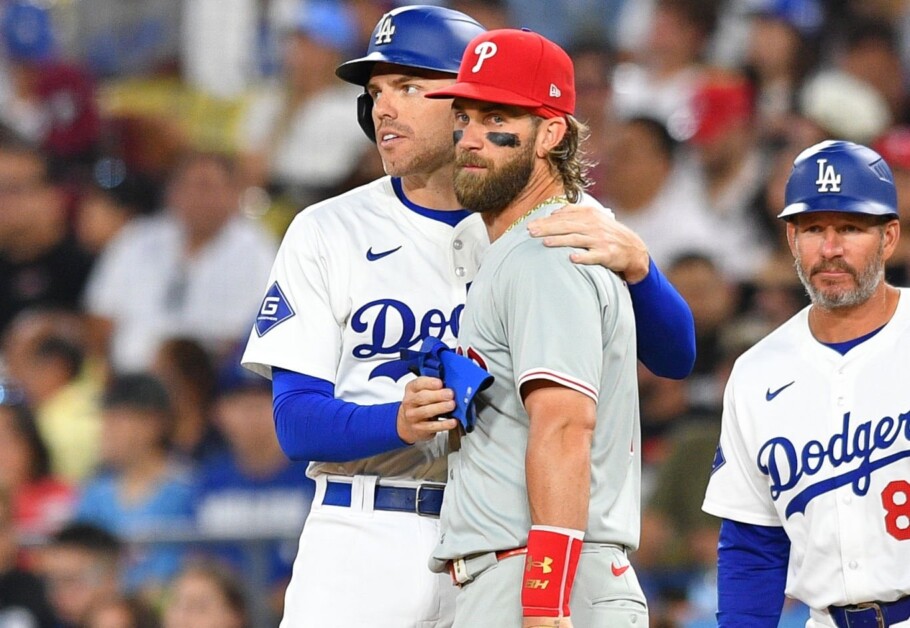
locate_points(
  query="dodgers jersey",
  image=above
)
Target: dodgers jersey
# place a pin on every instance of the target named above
(357, 278)
(531, 313)
(820, 443)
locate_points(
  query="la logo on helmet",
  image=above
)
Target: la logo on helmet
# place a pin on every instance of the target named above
(484, 51)
(828, 180)
(385, 31)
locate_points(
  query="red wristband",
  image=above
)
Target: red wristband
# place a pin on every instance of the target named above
(550, 566)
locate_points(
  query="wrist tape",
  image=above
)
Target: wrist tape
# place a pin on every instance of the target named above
(550, 567)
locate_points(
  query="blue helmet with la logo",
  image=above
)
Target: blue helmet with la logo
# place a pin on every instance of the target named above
(840, 176)
(418, 36)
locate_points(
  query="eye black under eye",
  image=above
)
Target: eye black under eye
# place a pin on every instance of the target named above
(507, 140)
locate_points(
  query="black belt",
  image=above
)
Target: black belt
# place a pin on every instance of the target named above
(871, 614)
(425, 500)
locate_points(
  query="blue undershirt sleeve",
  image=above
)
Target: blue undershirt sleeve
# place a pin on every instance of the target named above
(665, 327)
(751, 574)
(312, 424)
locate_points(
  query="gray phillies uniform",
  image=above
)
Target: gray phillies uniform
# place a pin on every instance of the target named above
(530, 314)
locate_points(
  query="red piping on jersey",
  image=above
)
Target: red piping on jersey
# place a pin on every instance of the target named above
(560, 379)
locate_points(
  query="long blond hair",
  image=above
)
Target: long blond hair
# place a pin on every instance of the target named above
(569, 160)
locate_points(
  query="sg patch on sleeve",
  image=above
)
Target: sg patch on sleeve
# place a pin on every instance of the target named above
(719, 459)
(275, 309)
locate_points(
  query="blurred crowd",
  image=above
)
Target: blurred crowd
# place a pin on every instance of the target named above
(153, 152)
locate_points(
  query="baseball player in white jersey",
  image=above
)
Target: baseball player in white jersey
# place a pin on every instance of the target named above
(357, 279)
(548, 481)
(812, 474)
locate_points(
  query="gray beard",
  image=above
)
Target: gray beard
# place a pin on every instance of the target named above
(867, 281)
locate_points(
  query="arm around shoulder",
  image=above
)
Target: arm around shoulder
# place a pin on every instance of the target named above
(665, 327)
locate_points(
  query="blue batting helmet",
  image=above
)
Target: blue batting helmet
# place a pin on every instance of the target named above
(840, 176)
(417, 36)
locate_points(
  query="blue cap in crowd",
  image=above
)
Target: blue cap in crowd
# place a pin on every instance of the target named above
(28, 32)
(328, 23)
(805, 16)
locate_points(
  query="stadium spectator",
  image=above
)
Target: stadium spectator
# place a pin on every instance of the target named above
(23, 601)
(659, 78)
(872, 54)
(298, 137)
(665, 403)
(206, 595)
(781, 48)
(110, 199)
(492, 14)
(44, 355)
(594, 60)
(252, 486)
(49, 99)
(79, 565)
(188, 371)
(40, 262)
(732, 164)
(41, 502)
(773, 295)
(648, 189)
(122, 611)
(195, 269)
(141, 491)
(714, 300)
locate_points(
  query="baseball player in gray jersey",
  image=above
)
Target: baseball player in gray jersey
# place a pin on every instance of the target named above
(547, 483)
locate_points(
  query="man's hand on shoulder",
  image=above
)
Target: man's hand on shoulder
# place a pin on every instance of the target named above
(605, 240)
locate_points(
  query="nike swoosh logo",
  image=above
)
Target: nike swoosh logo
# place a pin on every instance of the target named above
(771, 395)
(371, 256)
(618, 571)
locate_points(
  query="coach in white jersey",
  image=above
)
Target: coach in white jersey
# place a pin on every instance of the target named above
(812, 475)
(357, 279)
(548, 481)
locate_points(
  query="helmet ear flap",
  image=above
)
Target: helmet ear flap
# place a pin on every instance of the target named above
(365, 115)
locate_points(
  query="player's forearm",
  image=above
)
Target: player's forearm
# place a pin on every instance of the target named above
(558, 476)
(751, 575)
(311, 424)
(665, 328)
(558, 470)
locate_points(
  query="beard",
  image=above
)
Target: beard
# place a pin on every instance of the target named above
(865, 282)
(493, 190)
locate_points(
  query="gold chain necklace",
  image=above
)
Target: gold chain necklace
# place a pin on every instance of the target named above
(552, 200)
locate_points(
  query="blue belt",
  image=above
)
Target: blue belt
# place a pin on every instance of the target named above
(424, 500)
(871, 614)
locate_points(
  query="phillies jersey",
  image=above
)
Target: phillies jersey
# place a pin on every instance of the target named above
(819, 443)
(533, 314)
(358, 278)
